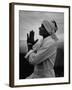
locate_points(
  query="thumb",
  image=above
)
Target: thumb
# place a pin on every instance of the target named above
(27, 36)
(36, 41)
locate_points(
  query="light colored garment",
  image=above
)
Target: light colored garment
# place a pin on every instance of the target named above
(44, 59)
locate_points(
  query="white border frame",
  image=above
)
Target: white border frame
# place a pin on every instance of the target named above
(16, 45)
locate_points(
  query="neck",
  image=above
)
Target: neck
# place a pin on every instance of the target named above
(46, 36)
(53, 36)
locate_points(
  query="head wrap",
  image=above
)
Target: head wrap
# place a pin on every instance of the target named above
(49, 26)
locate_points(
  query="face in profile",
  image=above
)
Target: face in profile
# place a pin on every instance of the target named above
(42, 31)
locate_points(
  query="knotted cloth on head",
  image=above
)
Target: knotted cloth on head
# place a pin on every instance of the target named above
(49, 26)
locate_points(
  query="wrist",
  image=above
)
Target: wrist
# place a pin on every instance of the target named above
(29, 52)
(29, 44)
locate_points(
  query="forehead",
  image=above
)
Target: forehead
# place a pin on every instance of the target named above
(43, 28)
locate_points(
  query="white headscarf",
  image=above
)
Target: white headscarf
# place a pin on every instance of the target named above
(49, 26)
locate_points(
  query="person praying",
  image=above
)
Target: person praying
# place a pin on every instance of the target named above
(42, 54)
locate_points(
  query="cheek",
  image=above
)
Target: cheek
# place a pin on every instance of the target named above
(41, 30)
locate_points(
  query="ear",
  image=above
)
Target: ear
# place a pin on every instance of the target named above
(54, 23)
(56, 27)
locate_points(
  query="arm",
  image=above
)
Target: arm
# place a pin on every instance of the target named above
(41, 55)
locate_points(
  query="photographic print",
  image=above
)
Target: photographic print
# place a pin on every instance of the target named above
(39, 44)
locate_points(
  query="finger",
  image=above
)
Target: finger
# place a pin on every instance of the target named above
(32, 31)
(36, 40)
(27, 35)
(30, 34)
